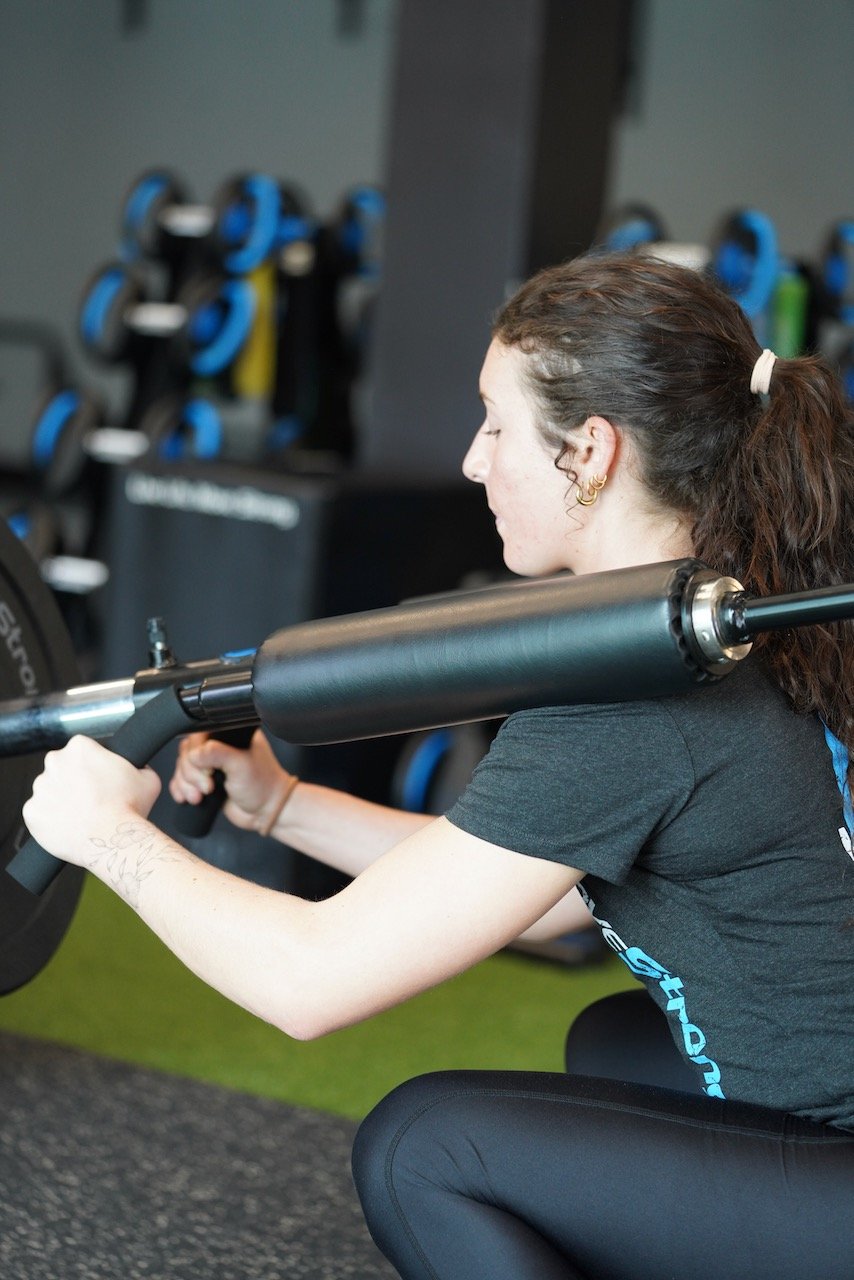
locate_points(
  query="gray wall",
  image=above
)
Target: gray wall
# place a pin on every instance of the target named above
(210, 88)
(742, 103)
(739, 102)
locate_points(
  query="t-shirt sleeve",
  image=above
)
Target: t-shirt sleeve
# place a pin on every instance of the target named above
(586, 786)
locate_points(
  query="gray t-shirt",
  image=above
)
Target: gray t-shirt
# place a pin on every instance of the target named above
(712, 830)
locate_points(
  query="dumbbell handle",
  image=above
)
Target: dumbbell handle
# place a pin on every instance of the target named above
(156, 319)
(188, 221)
(139, 738)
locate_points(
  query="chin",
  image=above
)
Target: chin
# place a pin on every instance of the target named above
(513, 563)
(526, 568)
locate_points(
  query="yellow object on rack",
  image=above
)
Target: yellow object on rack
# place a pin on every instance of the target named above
(254, 370)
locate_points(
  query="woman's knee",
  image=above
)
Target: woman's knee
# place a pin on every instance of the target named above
(395, 1156)
(371, 1150)
(383, 1129)
(625, 1037)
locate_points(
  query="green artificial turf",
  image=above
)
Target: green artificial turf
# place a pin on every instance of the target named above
(112, 988)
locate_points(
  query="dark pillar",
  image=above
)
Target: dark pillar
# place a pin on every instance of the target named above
(499, 127)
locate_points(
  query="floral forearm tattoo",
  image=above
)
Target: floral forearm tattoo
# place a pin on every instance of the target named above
(130, 855)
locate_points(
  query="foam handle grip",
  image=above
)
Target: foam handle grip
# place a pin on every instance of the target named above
(137, 740)
(605, 637)
(196, 820)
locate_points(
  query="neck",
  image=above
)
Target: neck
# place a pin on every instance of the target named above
(621, 539)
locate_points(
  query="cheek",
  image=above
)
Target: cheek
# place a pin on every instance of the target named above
(547, 491)
(527, 483)
(536, 519)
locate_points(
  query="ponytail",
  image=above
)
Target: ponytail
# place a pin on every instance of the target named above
(781, 519)
(766, 479)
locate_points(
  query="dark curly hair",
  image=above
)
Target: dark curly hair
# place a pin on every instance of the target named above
(767, 482)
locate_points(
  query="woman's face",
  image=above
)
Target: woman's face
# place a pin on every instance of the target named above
(525, 491)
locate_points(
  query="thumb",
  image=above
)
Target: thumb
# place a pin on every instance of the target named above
(213, 754)
(151, 785)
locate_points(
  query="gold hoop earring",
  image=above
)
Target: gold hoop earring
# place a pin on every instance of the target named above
(594, 486)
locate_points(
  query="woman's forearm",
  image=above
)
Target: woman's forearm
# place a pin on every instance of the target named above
(251, 943)
(336, 828)
(349, 834)
(342, 830)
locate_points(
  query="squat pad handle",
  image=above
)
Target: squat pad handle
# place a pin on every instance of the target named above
(196, 820)
(156, 722)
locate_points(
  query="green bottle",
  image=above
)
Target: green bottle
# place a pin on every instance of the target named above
(789, 304)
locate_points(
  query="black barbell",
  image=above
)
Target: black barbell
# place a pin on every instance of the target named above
(635, 633)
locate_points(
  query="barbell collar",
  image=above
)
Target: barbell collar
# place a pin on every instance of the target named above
(47, 721)
(705, 613)
(224, 699)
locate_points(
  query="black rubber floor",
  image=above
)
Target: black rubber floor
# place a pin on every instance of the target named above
(111, 1172)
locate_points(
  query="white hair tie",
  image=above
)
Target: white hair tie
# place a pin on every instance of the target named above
(760, 379)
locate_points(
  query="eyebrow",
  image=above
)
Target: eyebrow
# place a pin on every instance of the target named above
(483, 396)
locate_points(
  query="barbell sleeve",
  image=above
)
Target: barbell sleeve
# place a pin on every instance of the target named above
(48, 720)
(605, 637)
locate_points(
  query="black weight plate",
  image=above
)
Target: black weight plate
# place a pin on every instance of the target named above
(34, 524)
(151, 193)
(434, 768)
(63, 420)
(110, 293)
(36, 656)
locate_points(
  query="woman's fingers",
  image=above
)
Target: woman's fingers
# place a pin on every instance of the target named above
(251, 775)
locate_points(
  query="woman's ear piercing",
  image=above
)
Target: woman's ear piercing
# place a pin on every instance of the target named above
(594, 485)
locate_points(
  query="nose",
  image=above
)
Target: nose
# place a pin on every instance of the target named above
(475, 463)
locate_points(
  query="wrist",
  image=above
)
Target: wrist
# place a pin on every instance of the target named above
(272, 814)
(103, 834)
(129, 852)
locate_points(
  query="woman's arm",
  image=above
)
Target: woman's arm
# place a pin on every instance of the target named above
(338, 829)
(341, 830)
(431, 907)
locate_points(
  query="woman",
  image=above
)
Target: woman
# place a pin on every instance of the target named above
(629, 418)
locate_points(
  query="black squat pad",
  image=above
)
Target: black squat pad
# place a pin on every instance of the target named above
(36, 656)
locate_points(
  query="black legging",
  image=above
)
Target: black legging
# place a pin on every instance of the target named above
(470, 1175)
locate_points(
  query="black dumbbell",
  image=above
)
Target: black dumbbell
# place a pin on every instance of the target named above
(240, 229)
(55, 413)
(323, 332)
(63, 421)
(629, 226)
(746, 262)
(179, 427)
(206, 325)
(837, 274)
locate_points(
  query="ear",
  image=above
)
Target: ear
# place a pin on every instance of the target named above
(598, 445)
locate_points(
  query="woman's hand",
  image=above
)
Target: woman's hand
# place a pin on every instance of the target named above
(84, 794)
(255, 782)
